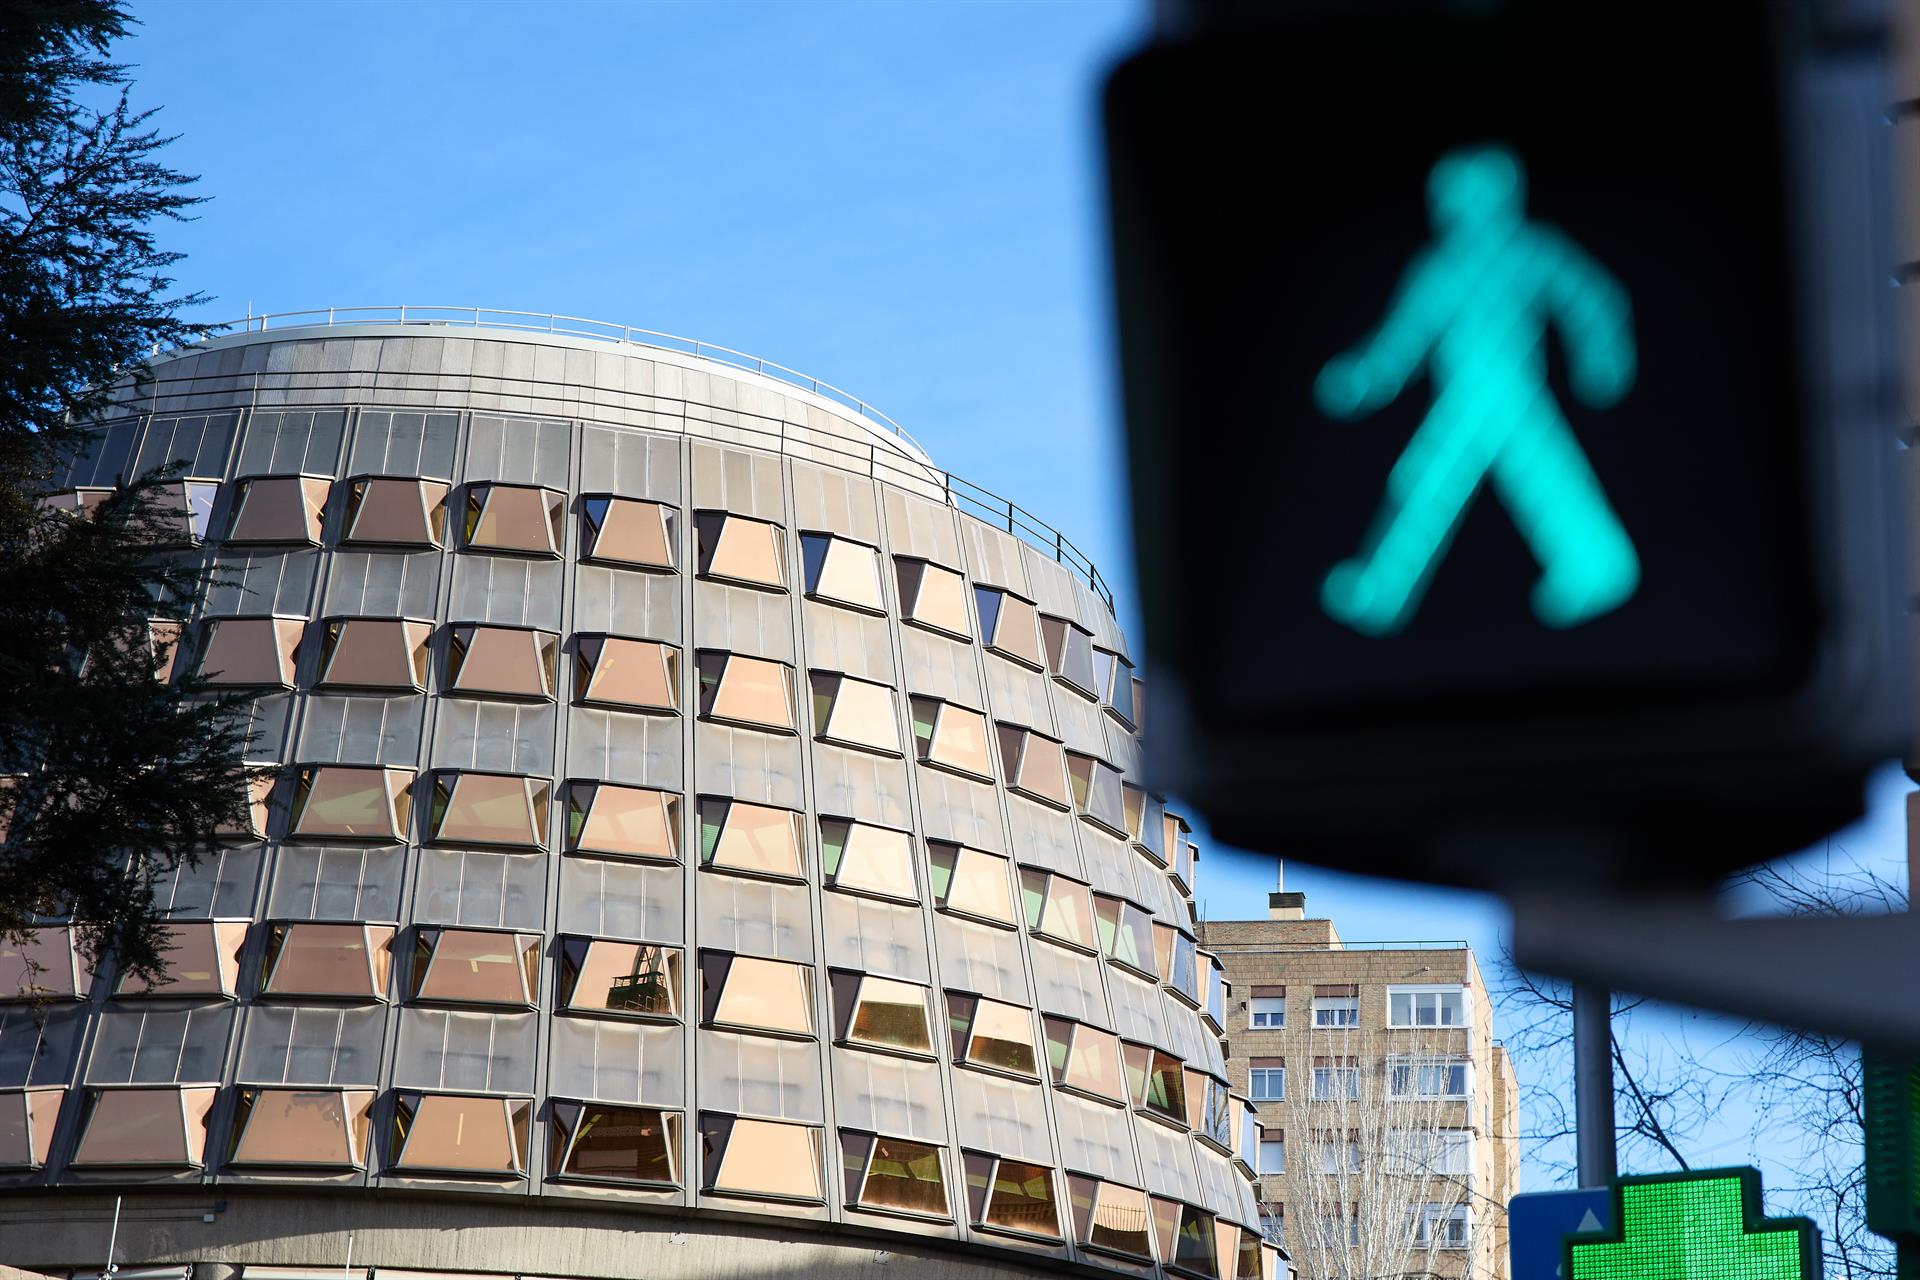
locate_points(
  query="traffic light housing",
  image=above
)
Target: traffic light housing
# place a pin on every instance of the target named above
(1509, 434)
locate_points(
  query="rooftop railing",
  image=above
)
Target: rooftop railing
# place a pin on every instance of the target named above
(564, 326)
(864, 457)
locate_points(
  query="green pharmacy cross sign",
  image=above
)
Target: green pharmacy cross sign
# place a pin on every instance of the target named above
(1702, 1225)
(1474, 307)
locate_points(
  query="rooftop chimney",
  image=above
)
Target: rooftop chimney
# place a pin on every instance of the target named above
(1286, 906)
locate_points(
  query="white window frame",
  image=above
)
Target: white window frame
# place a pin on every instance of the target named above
(1256, 1076)
(1276, 1147)
(1430, 1152)
(1332, 1005)
(1412, 994)
(1272, 1008)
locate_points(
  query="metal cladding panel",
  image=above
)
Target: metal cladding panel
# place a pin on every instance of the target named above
(661, 909)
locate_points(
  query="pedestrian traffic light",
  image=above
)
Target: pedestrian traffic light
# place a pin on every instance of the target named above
(1508, 432)
(1700, 1225)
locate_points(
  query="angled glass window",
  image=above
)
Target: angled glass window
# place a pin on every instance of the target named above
(1185, 980)
(1011, 1195)
(634, 979)
(1096, 791)
(501, 662)
(854, 713)
(475, 966)
(164, 1128)
(633, 822)
(1186, 1238)
(186, 506)
(1085, 1058)
(1113, 681)
(987, 1033)
(1034, 765)
(753, 692)
(517, 518)
(950, 736)
(740, 549)
(457, 1133)
(1009, 626)
(278, 509)
(754, 839)
(27, 1118)
(768, 1158)
(626, 531)
(202, 959)
(163, 646)
(750, 994)
(858, 857)
(489, 808)
(43, 964)
(1110, 1217)
(396, 511)
(1180, 860)
(614, 671)
(880, 1013)
(374, 653)
(842, 571)
(970, 882)
(356, 802)
(351, 801)
(932, 596)
(1133, 811)
(309, 1128)
(1126, 934)
(252, 824)
(1156, 1081)
(1069, 650)
(894, 1175)
(594, 1142)
(339, 961)
(1057, 907)
(75, 502)
(250, 651)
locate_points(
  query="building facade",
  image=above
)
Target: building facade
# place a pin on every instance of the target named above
(1388, 1113)
(694, 835)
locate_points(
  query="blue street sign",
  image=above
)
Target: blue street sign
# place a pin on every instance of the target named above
(1539, 1222)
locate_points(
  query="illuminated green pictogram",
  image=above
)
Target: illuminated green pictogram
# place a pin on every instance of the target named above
(1702, 1225)
(1474, 307)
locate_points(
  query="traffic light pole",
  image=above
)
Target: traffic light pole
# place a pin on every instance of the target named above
(1593, 1084)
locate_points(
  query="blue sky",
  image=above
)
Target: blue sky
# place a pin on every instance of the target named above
(901, 199)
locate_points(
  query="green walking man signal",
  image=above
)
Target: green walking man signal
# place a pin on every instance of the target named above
(1474, 307)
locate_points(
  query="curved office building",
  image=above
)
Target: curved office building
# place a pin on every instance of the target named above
(702, 838)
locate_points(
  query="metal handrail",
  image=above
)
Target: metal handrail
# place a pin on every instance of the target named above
(564, 326)
(901, 470)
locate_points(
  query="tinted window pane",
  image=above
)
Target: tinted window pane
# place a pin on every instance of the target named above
(615, 671)
(503, 661)
(739, 549)
(627, 531)
(439, 1131)
(636, 821)
(619, 977)
(503, 517)
(904, 1176)
(471, 966)
(374, 653)
(347, 960)
(316, 1127)
(250, 651)
(737, 836)
(614, 1144)
(489, 808)
(396, 512)
(760, 1157)
(345, 800)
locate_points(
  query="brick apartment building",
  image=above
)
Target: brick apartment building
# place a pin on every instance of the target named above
(1368, 1061)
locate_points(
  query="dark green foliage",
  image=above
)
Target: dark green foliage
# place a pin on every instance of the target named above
(114, 775)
